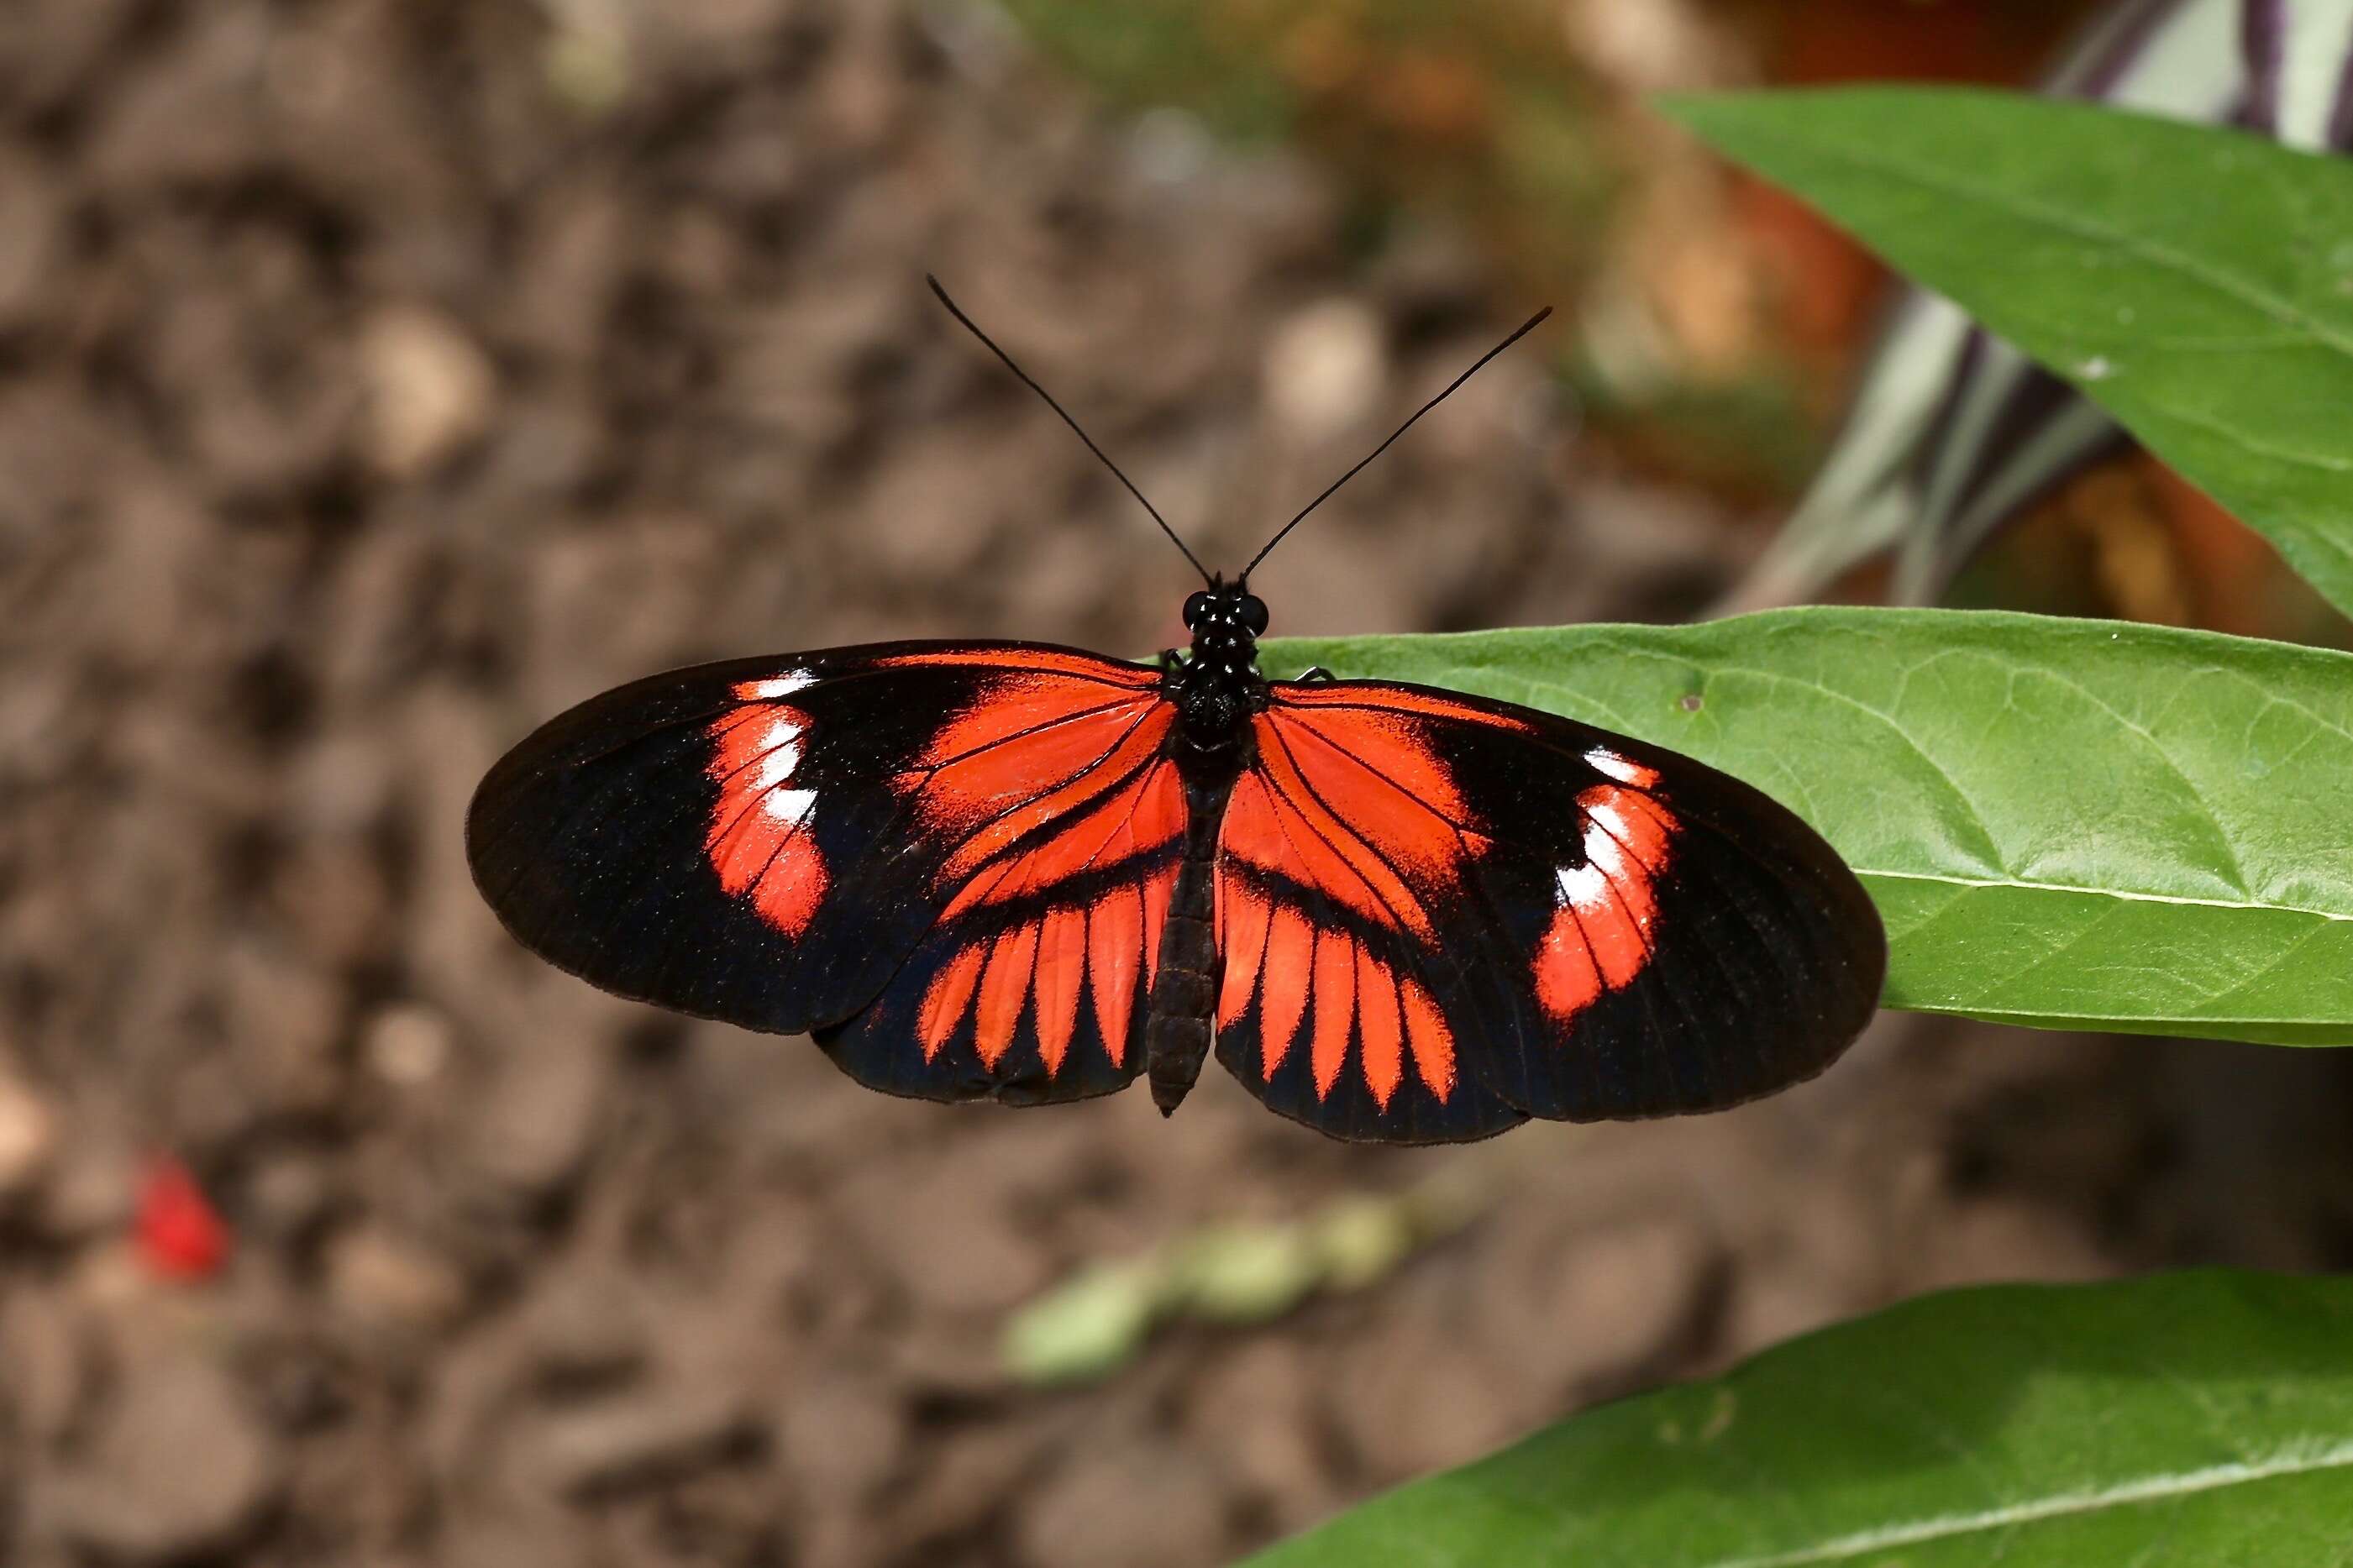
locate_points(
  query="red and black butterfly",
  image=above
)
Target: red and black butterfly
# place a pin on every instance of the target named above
(1025, 873)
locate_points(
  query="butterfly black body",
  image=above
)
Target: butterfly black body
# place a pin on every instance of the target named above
(1216, 688)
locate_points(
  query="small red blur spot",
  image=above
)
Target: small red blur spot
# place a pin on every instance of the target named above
(180, 1234)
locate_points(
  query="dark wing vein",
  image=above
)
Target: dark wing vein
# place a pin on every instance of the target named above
(1460, 975)
(1045, 828)
(1495, 932)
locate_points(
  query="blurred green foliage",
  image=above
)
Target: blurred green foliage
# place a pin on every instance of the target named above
(1234, 1273)
(1480, 108)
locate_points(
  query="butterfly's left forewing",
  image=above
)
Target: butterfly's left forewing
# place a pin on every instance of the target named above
(943, 858)
(1440, 913)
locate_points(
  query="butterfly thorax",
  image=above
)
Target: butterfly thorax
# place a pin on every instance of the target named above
(1217, 685)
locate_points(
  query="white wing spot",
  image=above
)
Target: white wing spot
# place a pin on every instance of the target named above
(1588, 886)
(1584, 886)
(783, 686)
(780, 751)
(1601, 759)
(789, 805)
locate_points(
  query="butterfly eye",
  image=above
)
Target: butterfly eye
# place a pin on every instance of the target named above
(1197, 609)
(1253, 614)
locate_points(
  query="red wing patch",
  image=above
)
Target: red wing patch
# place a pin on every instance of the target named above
(1087, 825)
(1344, 843)
(1275, 961)
(759, 840)
(1602, 934)
(1028, 658)
(1292, 813)
(1060, 824)
(1101, 949)
(1042, 716)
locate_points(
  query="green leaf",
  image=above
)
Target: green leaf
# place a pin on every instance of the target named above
(2195, 282)
(2065, 824)
(2201, 1419)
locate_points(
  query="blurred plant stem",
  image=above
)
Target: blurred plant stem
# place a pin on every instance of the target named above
(1236, 1272)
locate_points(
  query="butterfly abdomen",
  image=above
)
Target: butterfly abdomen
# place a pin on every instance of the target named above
(1176, 1028)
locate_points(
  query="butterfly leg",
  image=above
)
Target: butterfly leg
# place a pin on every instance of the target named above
(1316, 674)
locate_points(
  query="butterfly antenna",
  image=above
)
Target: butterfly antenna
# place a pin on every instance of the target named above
(1030, 381)
(1525, 329)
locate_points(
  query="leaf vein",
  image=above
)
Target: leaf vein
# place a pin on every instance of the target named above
(2147, 1488)
(2128, 894)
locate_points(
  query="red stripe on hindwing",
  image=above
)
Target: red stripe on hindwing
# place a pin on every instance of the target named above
(1432, 1041)
(1157, 893)
(1004, 988)
(1114, 959)
(945, 1003)
(1047, 968)
(1282, 999)
(1061, 971)
(1247, 918)
(1380, 1032)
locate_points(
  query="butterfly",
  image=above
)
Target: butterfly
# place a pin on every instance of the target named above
(1025, 873)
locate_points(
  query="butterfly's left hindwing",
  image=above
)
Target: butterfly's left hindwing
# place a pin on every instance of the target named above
(884, 845)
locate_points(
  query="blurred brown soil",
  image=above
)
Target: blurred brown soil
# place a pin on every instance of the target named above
(377, 376)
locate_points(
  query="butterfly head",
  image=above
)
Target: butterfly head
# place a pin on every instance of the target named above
(1226, 608)
(1226, 619)
(1218, 683)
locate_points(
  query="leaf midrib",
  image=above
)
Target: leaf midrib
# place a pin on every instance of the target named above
(2128, 895)
(2151, 1488)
